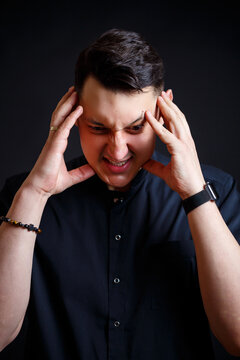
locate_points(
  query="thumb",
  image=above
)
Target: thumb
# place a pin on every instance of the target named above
(81, 174)
(155, 168)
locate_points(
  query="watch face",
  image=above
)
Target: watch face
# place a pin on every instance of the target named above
(211, 191)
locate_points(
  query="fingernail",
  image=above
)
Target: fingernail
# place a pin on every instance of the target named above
(71, 88)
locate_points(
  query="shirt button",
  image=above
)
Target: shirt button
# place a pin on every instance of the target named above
(116, 323)
(116, 280)
(117, 237)
(118, 200)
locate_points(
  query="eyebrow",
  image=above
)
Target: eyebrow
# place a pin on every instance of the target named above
(94, 122)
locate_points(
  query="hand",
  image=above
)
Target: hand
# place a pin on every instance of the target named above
(50, 175)
(183, 173)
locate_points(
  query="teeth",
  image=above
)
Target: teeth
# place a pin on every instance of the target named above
(121, 163)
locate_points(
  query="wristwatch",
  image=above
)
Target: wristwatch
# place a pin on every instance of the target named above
(207, 194)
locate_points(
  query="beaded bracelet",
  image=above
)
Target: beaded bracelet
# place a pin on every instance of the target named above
(29, 227)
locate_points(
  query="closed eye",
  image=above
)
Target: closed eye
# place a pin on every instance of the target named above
(98, 129)
(136, 129)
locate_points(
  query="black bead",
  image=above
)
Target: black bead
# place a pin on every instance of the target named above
(31, 227)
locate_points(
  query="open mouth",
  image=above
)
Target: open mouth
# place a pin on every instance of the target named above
(120, 165)
(117, 163)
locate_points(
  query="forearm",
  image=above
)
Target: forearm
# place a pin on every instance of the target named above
(218, 261)
(217, 251)
(49, 176)
(16, 254)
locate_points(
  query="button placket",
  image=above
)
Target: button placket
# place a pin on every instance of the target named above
(116, 283)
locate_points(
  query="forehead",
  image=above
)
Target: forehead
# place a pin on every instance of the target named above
(114, 108)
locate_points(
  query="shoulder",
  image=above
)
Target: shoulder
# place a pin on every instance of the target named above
(223, 182)
(210, 172)
(216, 175)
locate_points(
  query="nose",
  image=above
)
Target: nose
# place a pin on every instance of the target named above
(117, 147)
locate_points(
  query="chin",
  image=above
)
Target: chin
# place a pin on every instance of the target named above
(118, 184)
(119, 181)
(119, 188)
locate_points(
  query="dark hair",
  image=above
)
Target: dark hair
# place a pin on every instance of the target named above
(121, 61)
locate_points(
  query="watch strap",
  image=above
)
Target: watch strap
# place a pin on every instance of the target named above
(207, 194)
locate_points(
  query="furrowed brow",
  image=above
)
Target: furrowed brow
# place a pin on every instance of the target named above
(141, 117)
(94, 122)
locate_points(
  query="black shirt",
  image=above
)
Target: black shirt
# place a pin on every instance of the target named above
(114, 274)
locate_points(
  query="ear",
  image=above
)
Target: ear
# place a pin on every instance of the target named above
(158, 115)
(157, 112)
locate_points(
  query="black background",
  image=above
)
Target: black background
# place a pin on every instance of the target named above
(199, 43)
(40, 42)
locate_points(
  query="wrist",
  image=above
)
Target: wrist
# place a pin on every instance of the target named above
(192, 191)
(27, 206)
(29, 191)
(208, 193)
(27, 194)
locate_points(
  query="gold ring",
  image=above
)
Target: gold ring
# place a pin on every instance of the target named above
(53, 128)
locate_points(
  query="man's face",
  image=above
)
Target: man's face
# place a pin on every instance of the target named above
(115, 137)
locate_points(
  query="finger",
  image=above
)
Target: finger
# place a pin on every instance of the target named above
(168, 97)
(64, 110)
(172, 119)
(64, 129)
(158, 114)
(64, 98)
(164, 134)
(155, 168)
(80, 174)
(176, 110)
(71, 119)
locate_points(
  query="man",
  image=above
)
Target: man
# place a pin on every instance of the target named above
(134, 261)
